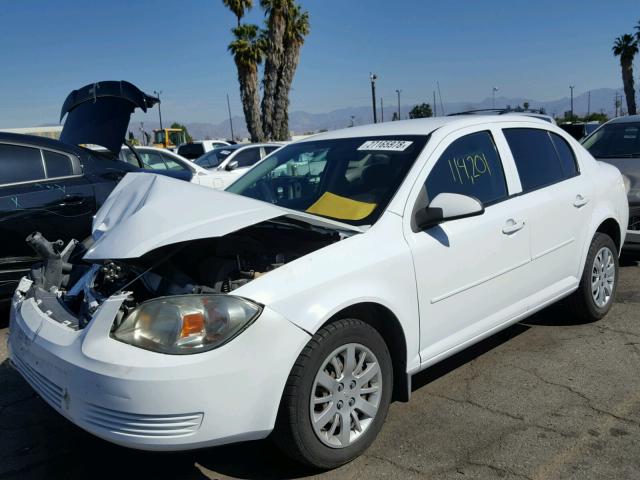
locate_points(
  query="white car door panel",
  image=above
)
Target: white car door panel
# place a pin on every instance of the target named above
(556, 201)
(466, 271)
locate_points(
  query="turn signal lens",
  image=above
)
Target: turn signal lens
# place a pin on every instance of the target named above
(192, 323)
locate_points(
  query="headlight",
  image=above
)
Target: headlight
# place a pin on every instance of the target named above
(187, 323)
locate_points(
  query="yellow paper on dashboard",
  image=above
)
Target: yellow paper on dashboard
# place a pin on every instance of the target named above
(335, 206)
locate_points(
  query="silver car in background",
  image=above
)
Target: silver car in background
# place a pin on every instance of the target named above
(618, 142)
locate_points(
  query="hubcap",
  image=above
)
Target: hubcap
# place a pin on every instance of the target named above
(603, 277)
(345, 395)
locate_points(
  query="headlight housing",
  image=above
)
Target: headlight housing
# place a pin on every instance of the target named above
(185, 324)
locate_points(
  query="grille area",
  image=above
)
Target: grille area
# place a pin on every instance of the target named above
(48, 390)
(139, 425)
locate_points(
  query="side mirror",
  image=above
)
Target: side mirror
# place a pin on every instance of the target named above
(447, 206)
(232, 165)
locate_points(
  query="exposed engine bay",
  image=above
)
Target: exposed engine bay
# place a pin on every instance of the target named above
(209, 266)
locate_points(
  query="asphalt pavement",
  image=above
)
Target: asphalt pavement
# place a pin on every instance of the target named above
(544, 399)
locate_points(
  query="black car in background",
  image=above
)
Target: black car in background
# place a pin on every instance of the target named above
(49, 187)
(56, 186)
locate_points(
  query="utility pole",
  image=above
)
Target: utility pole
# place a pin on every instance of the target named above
(440, 95)
(230, 121)
(571, 87)
(398, 92)
(160, 112)
(373, 77)
(493, 97)
(588, 104)
(381, 110)
(435, 108)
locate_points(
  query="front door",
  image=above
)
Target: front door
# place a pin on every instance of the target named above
(469, 272)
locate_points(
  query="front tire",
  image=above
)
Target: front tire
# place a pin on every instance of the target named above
(597, 290)
(337, 395)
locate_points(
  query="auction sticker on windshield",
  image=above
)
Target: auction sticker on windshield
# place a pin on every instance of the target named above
(385, 145)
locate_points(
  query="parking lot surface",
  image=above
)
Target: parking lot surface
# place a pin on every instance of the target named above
(545, 399)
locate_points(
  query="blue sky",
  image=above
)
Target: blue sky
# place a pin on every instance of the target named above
(531, 49)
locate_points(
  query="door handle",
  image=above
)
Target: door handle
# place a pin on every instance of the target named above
(512, 226)
(580, 201)
(72, 200)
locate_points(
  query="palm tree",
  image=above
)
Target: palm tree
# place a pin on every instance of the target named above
(296, 31)
(277, 12)
(247, 50)
(238, 7)
(626, 47)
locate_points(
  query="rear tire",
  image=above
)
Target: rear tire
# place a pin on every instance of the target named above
(344, 370)
(597, 290)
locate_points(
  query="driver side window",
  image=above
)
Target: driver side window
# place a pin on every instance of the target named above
(469, 166)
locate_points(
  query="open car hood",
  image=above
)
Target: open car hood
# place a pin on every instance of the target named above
(99, 113)
(147, 211)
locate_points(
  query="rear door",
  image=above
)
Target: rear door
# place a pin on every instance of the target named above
(40, 190)
(558, 202)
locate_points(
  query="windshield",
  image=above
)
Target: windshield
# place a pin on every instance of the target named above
(158, 136)
(350, 179)
(176, 138)
(213, 158)
(614, 140)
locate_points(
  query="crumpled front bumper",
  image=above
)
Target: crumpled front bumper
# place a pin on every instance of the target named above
(148, 400)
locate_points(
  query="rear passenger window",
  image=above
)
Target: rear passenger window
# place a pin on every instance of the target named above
(20, 164)
(469, 166)
(536, 158)
(58, 165)
(566, 156)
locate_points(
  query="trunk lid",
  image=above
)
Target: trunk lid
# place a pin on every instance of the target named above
(99, 113)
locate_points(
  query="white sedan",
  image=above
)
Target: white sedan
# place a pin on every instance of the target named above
(303, 302)
(227, 164)
(160, 159)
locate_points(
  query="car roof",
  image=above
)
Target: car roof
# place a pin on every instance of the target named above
(626, 119)
(39, 142)
(421, 126)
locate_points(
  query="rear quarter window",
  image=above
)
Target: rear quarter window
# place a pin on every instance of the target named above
(58, 165)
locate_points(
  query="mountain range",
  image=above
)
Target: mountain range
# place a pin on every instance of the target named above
(300, 122)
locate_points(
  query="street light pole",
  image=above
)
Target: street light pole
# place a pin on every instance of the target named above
(398, 92)
(493, 97)
(381, 110)
(230, 121)
(571, 87)
(159, 110)
(373, 77)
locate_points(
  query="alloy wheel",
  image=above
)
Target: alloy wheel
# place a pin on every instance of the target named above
(345, 396)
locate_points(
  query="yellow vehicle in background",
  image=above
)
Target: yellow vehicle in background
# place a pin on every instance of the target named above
(169, 137)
